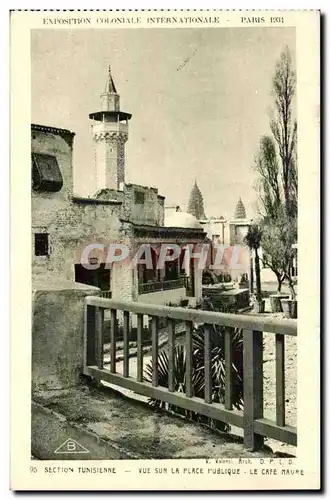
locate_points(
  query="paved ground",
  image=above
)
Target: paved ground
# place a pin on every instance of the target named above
(109, 425)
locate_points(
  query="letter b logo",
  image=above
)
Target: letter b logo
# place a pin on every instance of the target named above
(71, 445)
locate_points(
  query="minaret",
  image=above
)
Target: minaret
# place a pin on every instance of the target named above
(240, 212)
(196, 204)
(238, 227)
(110, 132)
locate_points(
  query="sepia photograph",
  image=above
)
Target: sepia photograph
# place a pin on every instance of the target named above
(171, 190)
(165, 286)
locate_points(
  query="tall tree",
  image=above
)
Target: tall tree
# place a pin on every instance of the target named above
(284, 128)
(276, 165)
(267, 166)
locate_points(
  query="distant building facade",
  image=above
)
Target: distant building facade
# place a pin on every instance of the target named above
(230, 233)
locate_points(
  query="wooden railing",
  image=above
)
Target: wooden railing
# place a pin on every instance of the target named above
(251, 419)
(159, 286)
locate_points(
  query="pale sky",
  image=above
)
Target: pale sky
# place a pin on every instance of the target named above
(199, 98)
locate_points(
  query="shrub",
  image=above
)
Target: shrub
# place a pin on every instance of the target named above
(198, 381)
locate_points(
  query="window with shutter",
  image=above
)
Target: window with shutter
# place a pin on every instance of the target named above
(46, 175)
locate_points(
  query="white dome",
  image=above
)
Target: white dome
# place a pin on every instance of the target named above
(182, 219)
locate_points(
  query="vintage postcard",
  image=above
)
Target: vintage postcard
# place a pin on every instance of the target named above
(165, 188)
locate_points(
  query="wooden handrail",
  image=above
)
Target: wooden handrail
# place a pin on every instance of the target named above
(243, 321)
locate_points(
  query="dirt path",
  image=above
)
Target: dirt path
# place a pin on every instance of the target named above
(290, 386)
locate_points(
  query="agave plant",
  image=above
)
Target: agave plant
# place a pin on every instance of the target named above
(198, 380)
(179, 372)
(217, 340)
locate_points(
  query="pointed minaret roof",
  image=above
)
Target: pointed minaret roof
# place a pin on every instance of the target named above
(110, 87)
(110, 103)
(196, 203)
(240, 212)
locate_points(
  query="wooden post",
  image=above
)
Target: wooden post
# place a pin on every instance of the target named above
(139, 376)
(207, 364)
(189, 359)
(113, 332)
(154, 342)
(253, 387)
(228, 369)
(280, 380)
(90, 336)
(171, 348)
(126, 344)
(99, 315)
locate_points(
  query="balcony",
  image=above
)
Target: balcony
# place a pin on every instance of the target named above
(160, 286)
(110, 127)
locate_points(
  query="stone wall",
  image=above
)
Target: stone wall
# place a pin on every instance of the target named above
(198, 282)
(54, 142)
(161, 210)
(71, 224)
(122, 282)
(57, 333)
(150, 212)
(109, 155)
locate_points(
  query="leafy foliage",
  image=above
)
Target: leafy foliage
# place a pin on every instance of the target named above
(277, 160)
(284, 128)
(276, 165)
(267, 167)
(277, 240)
(253, 237)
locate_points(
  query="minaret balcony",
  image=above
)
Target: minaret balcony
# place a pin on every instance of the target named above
(111, 127)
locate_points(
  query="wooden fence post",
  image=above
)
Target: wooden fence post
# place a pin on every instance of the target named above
(90, 358)
(253, 387)
(99, 320)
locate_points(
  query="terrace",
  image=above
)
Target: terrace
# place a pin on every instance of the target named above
(106, 416)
